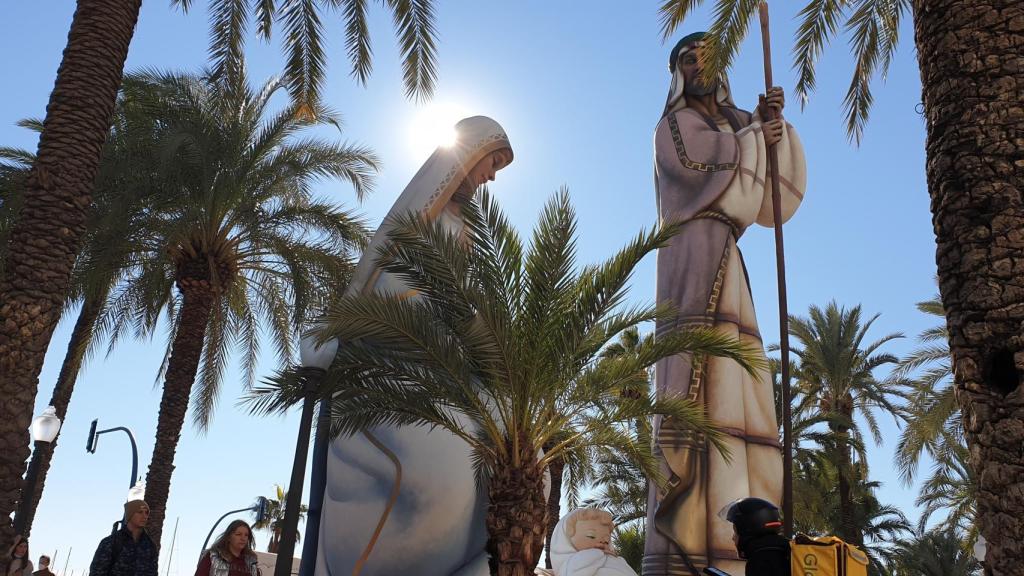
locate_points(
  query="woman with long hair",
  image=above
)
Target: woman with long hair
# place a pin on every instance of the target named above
(232, 554)
(16, 563)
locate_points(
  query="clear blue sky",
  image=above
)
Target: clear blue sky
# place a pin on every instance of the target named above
(579, 90)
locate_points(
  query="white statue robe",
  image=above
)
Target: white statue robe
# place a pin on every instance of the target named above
(436, 527)
(717, 180)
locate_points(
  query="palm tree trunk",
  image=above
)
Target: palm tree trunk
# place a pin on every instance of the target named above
(46, 237)
(516, 517)
(969, 53)
(182, 366)
(847, 525)
(556, 469)
(81, 338)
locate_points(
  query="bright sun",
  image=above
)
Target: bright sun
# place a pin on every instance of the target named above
(433, 126)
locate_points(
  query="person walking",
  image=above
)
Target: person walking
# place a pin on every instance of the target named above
(232, 554)
(128, 551)
(44, 567)
(16, 563)
(757, 533)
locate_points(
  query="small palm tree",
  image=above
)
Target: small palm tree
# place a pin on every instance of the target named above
(837, 368)
(234, 244)
(509, 338)
(273, 521)
(628, 542)
(938, 552)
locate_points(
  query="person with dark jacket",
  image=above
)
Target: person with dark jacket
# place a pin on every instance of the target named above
(757, 533)
(128, 551)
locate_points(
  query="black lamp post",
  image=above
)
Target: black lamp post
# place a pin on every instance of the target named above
(317, 487)
(315, 361)
(44, 430)
(94, 438)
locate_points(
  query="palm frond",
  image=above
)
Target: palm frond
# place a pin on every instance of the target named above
(414, 24)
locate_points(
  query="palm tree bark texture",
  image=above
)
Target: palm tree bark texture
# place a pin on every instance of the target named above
(47, 234)
(81, 337)
(186, 351)
(516, 514)
(971, 55)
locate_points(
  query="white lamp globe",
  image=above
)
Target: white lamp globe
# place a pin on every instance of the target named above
(46, 426)
(314, 356)
(980, 547)
(137, 492)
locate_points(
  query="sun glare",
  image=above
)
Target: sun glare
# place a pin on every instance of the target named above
(433, 126)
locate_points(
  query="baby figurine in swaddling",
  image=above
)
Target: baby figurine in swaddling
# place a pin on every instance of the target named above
(582, 546)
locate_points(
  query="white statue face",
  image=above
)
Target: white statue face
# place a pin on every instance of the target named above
(486, 169)
(591, 534)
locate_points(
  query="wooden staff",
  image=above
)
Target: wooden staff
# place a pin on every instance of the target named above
(780, 258)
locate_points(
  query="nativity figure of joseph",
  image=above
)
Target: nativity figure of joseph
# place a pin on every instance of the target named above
(711, 172)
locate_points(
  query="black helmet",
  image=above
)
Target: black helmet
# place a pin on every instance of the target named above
(752, 517)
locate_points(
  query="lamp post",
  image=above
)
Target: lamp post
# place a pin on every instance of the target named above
(94, 438)
(317, 487)
(315, 362)
(44, 430)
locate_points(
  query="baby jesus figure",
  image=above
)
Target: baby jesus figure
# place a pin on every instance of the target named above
(582, 546)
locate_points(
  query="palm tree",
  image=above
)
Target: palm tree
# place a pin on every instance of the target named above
(509, 338)
(58, 193)
(937, 552)
(274, 519)
(629, 541)
(54, 207)
(952, 487)
(837, 368)
(237, 231)
(968, 91)
(122, 187)
(934, 426)
(933, 423)
(619, 481)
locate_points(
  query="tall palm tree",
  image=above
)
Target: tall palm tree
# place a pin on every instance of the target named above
(235, 244)
(937, 552)
(968, 91)
(837, 367)
(274, 519)
(510, 339)
(58, 193)
(45, 237)
(122, 188)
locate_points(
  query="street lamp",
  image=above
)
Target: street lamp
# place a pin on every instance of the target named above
(94, 438)
(315, 362)
(980, 548)
(44, 431)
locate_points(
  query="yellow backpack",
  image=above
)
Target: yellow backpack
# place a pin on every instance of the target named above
(825, 556)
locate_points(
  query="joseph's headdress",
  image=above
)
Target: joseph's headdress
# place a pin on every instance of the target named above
(675, 100)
